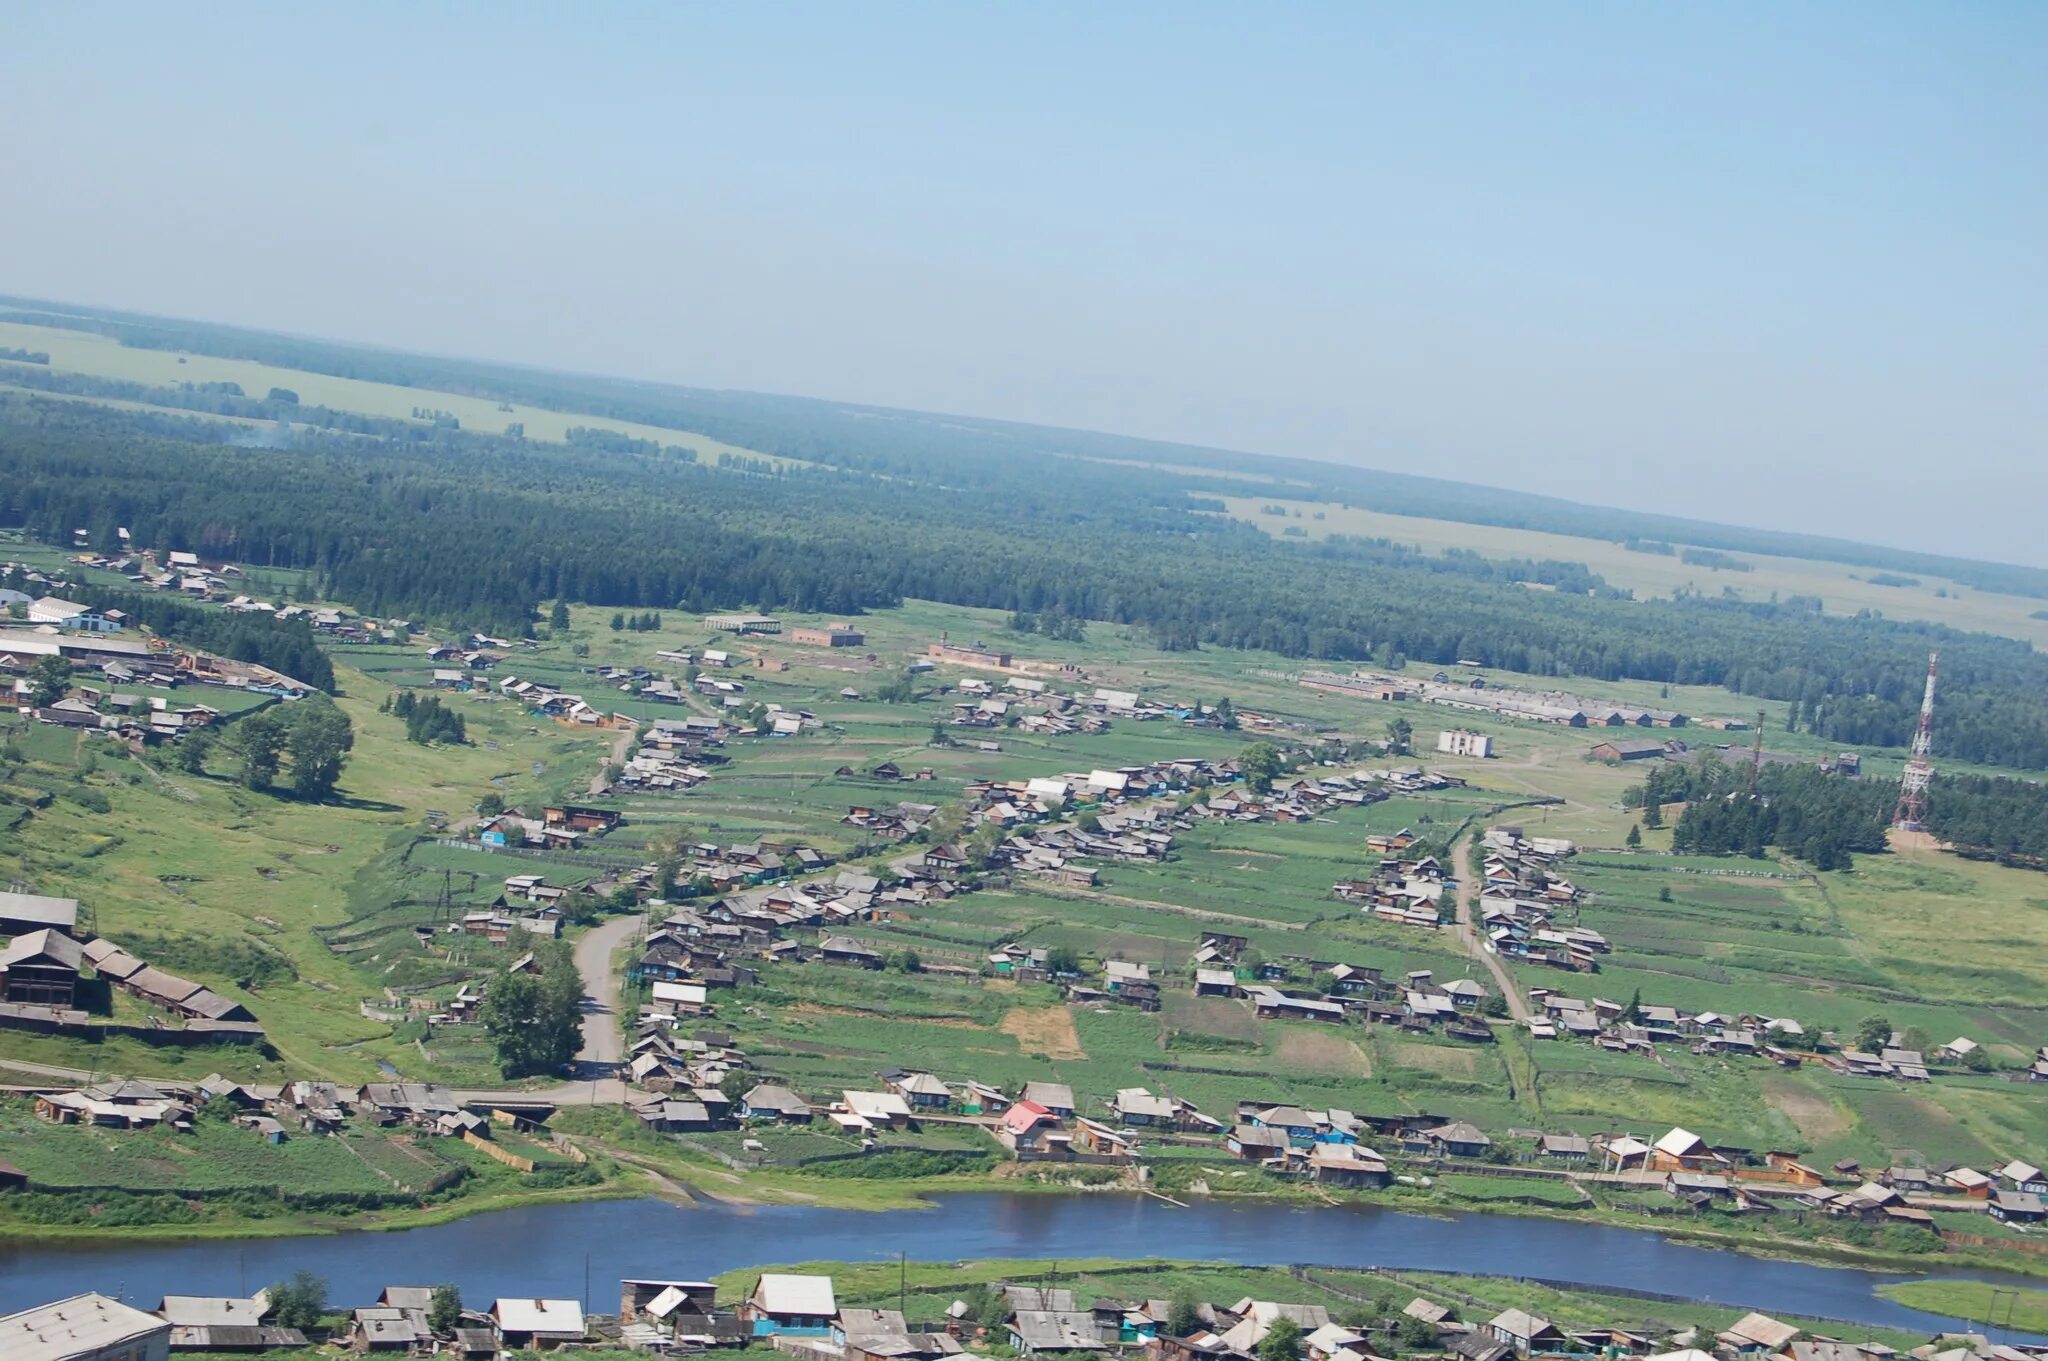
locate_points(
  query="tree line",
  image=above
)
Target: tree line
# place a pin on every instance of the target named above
(421, 531)
(1826, 819)
(933, 448)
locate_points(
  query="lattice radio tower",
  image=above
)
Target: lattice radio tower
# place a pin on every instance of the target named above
(1911, 814)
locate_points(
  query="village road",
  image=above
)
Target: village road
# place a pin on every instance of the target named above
(1468, 931)
(621, 749)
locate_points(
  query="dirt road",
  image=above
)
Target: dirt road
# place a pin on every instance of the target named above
(621, 749)
(1468, 931)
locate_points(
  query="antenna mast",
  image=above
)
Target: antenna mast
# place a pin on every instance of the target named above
(1756, 753)
(1911, 814)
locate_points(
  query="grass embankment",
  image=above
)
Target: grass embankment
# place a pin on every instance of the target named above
(1978, 1301)
(221, 1180)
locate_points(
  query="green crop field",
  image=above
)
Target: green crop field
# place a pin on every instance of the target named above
(1845, 589)
(103, 357)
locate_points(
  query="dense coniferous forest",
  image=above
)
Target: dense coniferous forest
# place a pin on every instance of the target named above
(482, 531)
(920, 445)
(1825, 819)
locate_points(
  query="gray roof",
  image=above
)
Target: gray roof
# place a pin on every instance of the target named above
(34, 907)
(1057, 1095)
(81, 1325)
(1056, 1330)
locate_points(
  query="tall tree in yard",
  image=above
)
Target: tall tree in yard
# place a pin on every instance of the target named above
(535, 1021)
(1400, 736)
(1259, 764)
(444, 1310)
(299, 1302)
(48, 681)
(261, 738)
(1282, 1341)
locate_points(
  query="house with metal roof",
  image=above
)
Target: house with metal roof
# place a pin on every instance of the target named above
(783, 1304)
(87, 1327)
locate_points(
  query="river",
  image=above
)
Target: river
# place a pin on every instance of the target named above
(547, 1250)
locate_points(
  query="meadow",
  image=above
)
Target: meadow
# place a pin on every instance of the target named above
(1843, 588)
(104, 357)
(216, 1157)
(240, 889)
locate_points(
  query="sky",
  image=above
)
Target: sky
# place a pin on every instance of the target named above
(1782, 265)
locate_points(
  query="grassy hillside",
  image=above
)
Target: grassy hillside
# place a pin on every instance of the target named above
(242, 890)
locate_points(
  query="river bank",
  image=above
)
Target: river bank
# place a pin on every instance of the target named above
(632, 1164)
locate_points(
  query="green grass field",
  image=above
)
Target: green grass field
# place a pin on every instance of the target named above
(237, 889)
(216, 1156)
(304, 912)
(1845, 589)
(102, 357)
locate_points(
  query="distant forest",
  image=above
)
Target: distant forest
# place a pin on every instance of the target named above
(1826, 819)
(476, 530)
(925, 446)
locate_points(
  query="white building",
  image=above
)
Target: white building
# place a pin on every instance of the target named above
(1460, 742)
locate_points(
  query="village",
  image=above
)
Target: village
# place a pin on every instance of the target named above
(812, 1317)
(734, 931)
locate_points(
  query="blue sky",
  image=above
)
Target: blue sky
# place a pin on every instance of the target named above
(1774, 264)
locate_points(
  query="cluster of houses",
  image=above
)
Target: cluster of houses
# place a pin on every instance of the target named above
(190, 577)
(1415, 1003)
(560, 827)
(130, 717)
(1052, 852)
(94, 1327)
(1302, 798)
(529, 906)
(889, 822)
(45, 960)
(673, 754)
(117, 663)
(1032, 706)
(1521, 895)
(1403, 892)
(275, 1111)
(801, 1315)
(1644, 1025)
(747, 864)
(1522, 892)
(543, 701)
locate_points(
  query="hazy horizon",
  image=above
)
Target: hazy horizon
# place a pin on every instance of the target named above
(1763, 267)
